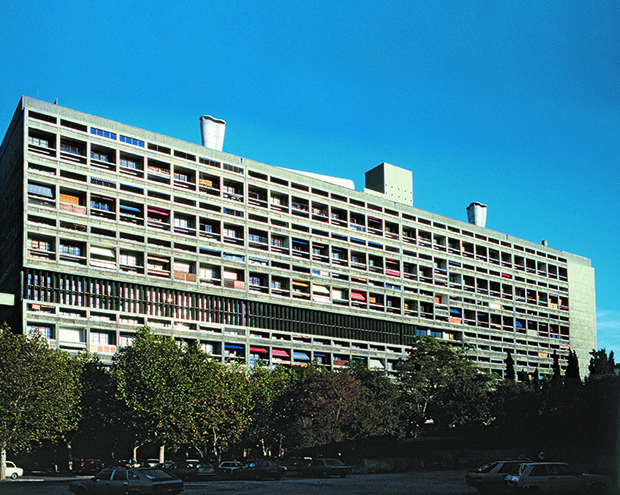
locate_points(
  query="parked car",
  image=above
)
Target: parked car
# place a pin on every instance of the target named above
(228, 467)
(259, 469)
(490, 478)
(327, 467)
(296, 465)
(112, 481)
(188, 470)
(12, 471)
(555, 477)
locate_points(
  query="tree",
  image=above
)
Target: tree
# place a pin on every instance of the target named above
(600, 364)
(441, 385)
(510, 367)
(219, 401)
(38, 392)
(515, 408)
(383, 395)
(104, 420)
(557, 372)
(266, 388)
(151, 381)
(572, 367)
(324, 407)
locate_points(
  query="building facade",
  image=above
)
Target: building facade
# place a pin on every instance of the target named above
(107, 228)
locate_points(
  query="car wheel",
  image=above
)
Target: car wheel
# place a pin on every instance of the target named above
(343, 475)
(14, 476)
(80, 490)
(258, 477)
(324, 474)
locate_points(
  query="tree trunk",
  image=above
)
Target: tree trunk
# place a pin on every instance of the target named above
(215, 438)
(2, 463)
(69, 455)
(162, 449)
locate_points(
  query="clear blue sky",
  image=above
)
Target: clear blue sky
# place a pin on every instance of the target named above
(512, 103)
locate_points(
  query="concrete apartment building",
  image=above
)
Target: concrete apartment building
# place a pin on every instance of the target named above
(107, 227)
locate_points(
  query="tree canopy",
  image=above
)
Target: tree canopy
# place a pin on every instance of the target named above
(173, 394)
(151, 381)
(323, 407)
(600, 363)
(441, 385)
(177, 394)
(39, 392)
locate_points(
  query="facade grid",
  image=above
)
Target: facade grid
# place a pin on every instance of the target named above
(107, 227)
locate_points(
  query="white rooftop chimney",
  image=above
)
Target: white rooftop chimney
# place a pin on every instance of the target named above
(477, 214)
(212, 131)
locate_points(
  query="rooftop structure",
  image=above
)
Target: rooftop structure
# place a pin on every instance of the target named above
(106, 227)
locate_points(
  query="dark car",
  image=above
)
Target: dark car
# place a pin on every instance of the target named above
(296, 465)
(138, 481)
(228, 467)
(490, 478)
(327, 467)
(556, 477)
(189, 470)
(259, 469)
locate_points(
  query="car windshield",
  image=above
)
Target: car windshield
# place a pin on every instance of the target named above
(487, 467)
(156, 474)
(106, 474)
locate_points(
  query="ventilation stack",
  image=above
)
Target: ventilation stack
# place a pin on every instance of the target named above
(212, 132)
(477, 214)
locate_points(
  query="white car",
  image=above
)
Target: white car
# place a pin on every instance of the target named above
(555, 477)
(12, 471)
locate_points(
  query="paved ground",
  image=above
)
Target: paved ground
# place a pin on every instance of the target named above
(418, 483)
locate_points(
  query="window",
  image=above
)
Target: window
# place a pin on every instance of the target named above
(124, 340)
(99, 338)
(102, 133)
(39, 244)
(37, 190)
(35, 141)
(128, 163)
(43, 330)
(69, 249)
(232, 168)
(128, 259)
(129, 140)
(99, 204)
(102, 157)
(67, 148)
(102, 182)
(182, 222)
(208, 272)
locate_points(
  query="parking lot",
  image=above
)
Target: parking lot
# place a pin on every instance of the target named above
(435, 483)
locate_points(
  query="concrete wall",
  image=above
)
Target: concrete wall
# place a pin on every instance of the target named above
(582, 310)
